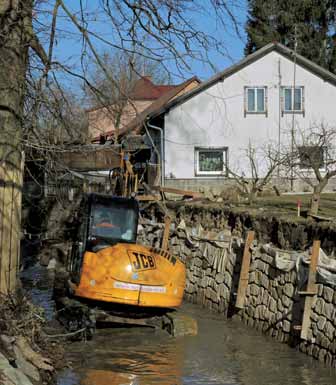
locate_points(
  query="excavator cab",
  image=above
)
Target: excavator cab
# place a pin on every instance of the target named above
(107, 265)
(102, 221)
(111, 221)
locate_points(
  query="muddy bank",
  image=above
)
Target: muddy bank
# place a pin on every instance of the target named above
(281, 231)
(27, 353)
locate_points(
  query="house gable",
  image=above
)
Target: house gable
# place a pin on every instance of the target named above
(214, 115)
(285, 52)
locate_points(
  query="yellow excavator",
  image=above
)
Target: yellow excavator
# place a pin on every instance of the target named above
(107, 264)
(108, 277)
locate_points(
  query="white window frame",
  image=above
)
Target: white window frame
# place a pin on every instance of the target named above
(283, 102)
(256, 112)
(223, 172)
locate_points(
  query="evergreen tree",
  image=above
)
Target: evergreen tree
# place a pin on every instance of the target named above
(309, 22)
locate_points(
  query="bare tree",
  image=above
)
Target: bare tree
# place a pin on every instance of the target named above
(61, 118)
(126, 69)
(260, 167)
(314, 159)
(168, 32)
(113, 100)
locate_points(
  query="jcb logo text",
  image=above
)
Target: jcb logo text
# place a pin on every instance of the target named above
(141, 261)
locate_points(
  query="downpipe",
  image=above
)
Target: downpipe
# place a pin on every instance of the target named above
(161, 148)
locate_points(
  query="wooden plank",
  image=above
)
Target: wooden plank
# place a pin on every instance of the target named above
(311, 287)
(307, 292)
(244, 272)
(320, 218)
(148, 197)
(177, 191)
(165, 238)
(99, 159)
(313, 266)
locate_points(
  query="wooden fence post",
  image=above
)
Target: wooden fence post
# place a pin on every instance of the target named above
(244, 272)
(311, 290)
(165, 238)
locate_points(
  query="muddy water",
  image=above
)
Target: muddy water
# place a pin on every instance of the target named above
(224, 353)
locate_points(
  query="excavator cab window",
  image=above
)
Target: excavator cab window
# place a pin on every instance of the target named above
(112, 220)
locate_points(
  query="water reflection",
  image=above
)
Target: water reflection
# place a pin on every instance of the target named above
(130, 357)
(103, 377)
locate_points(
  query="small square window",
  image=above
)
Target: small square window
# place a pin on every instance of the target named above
(255, 100)
(210, 161)
(311, 156)
(293, 99)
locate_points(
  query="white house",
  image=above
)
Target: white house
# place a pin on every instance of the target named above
(261, 100)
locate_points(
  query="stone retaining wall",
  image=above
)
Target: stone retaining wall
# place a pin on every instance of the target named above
(272, 303)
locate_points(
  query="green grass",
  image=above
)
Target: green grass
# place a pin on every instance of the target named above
(286, 205)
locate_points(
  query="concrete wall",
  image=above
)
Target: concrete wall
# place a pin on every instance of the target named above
(215, 117)
(272, 304)
(219, 184)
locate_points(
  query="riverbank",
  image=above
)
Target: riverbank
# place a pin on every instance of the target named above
(27, 355)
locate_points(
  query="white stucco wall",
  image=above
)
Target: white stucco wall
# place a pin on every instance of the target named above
(215, 117)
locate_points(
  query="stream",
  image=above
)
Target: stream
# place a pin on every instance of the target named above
(225, 352)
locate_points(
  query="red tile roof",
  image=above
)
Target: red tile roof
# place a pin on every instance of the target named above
(138, 121)
(145, 89)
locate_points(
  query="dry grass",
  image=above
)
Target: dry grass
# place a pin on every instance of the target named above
(286, 205)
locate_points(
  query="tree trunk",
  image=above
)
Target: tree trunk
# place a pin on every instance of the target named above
(315, 200)
(252, 195)
(15, 21)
